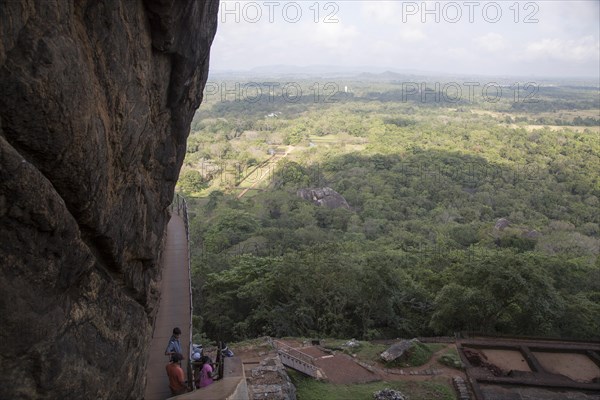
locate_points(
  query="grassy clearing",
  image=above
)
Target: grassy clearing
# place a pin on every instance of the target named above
(337, 139)
(370, 351)
(366, 351)
(419, 355)
(250, 343)
(557, 128)
(451, 359)
(310, 389)
(434, 347)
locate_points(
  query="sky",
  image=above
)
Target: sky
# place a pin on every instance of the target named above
(507, 38)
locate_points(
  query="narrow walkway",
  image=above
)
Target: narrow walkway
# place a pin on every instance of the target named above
(174, 310)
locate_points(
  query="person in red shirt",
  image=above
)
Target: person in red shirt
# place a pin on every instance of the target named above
(176, 377)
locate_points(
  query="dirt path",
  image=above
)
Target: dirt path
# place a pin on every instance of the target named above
(340, 368)
(273, 161)
(433, 360)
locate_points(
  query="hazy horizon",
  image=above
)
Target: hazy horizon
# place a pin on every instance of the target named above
(545, 39)
(355, 71)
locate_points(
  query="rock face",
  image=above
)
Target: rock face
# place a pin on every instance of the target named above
(397, 350)
(324, 197)
(96, 100)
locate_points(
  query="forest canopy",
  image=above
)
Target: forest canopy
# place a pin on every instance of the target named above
(463, 216)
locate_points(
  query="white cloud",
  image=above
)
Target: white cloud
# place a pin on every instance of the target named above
(458, 53)
(579, 50)
(411, 34)
(334, 36)
(387, 12)
(385, 19)
(558, 18)
(565, 41)
(491, 42)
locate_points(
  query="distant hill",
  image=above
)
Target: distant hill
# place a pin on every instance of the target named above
(385, 73)
(320, 70)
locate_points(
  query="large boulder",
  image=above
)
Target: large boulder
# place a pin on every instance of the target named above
(398, 350)
(97, 97)
(502, 224)
(326, 197)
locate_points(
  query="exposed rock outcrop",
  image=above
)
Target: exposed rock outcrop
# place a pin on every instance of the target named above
(502, 224)
(388, 394)
(270, 381)
(96, 101)
(324, 197)
(398, 350)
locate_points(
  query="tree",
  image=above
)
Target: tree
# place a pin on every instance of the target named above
(457, 308)
(192, 181)
(229, 228)
(502, 292)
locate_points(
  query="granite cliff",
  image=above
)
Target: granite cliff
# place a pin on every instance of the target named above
(96, 100)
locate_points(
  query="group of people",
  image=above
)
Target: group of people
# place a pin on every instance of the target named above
(177, 381)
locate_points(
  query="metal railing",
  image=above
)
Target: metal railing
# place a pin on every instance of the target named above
(295, 353)
(179, 206)
(295, 358)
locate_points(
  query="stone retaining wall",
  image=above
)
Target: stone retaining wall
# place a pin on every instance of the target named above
(270, 381)
(461, 388)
